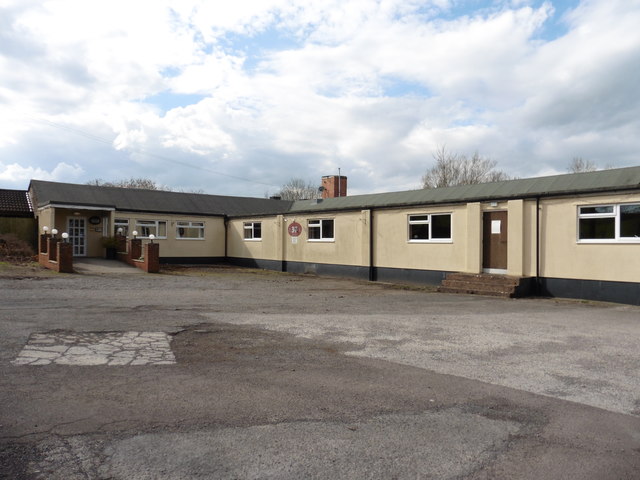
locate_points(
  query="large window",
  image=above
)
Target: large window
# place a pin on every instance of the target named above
(321, 230)
(609, 223)
(158, 228)
(252, 230)
(190, 230)
(435, 227)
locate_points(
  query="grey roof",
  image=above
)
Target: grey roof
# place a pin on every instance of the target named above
(130, 199)
(15, 203)
(569, 184)
(153, 201)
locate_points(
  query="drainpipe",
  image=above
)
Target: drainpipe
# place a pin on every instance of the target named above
(226, 237)
(538, 281)
(372, 274)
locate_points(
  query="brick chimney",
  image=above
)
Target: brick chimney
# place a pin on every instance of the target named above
(334, 186)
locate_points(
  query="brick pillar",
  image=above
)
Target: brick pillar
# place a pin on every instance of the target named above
(42, 248)
(135, 248)
(122, 243)
(65, 257)
(152, 257)
(51, 248)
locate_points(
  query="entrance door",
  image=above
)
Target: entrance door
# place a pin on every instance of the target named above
(494, 242)
(78, 235)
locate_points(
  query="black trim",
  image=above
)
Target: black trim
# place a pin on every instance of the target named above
(410, 275)
(329, 269)
(192, 260)
(256, 263)
(599, 290)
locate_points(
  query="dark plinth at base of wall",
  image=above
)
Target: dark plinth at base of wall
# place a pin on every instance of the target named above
(598, 290)
(256, 263)
(329, 269)
(192, 260)
(408, 275)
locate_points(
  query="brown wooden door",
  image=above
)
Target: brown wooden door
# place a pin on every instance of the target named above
(494, 240)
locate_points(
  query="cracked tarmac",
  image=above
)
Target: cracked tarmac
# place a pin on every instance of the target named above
(285, 376)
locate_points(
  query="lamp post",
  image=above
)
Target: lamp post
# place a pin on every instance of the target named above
(151, 237)
(65, 237)
(135, 234)
(54, 232)
(45, 229)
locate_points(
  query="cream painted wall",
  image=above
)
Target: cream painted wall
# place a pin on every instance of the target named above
(562, 256)
(211, 246)
(392, 248)
(268, 248)
(349, 247)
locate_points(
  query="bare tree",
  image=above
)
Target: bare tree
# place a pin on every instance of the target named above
(455, 169)
(142, 183)
(578, 165)
(298, 189)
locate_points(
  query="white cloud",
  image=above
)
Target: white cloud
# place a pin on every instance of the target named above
(291, 87)
(18, 175)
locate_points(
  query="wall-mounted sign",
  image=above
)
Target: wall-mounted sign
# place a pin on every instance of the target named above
(294, 229)
(95, 220)
(495, 226)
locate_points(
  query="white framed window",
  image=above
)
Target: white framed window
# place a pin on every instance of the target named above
(253, 230)
(148, 227)
(122, 223)
(321, 230)
(429, 227)
(190, 230)
(609, 223)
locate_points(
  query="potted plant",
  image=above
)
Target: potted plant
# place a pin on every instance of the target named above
(111, 247)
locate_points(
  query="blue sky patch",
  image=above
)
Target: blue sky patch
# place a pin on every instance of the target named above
(168, 101)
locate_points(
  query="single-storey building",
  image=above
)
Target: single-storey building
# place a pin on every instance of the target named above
(574, 235)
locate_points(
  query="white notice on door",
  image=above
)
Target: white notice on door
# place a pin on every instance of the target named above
(495, 226)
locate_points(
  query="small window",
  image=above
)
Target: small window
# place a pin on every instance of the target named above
(430, 228)
(321, 229)
(190, 230)
(252, 230)
(158, 228)
(122, 223)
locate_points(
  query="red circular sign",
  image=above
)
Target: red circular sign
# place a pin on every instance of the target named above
(295, 229)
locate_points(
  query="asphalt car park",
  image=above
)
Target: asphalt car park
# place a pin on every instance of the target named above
(233, 373)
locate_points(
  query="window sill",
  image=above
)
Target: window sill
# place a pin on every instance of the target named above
(630, 241)
(321, 240)
(444, 240)
(201, 239)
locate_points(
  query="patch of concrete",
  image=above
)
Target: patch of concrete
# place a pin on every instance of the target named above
(97, 348)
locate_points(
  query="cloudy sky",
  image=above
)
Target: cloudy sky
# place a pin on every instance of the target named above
(237, 97)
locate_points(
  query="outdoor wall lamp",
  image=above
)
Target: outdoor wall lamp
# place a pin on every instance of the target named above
(45, 229)
(151, 237)
(54, 232)
(134, 233)
(65, 236)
